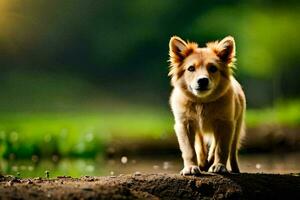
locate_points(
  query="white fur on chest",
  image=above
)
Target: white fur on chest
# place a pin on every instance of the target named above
(201, 114)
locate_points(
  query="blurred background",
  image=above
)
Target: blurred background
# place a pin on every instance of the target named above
(84, 86)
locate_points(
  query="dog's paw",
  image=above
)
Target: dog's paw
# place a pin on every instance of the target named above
(190, 170)
(218, 168)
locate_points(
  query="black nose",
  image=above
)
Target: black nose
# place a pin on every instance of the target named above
(203, 83)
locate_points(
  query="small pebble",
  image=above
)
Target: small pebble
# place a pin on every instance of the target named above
(258, 166)
(124, 160)
(137, 174)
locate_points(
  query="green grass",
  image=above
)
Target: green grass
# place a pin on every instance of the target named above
(86, 134)
(77, 134)
(285, 113)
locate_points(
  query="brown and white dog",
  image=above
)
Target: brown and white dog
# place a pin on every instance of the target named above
(206, 98)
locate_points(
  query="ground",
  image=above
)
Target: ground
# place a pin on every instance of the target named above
(154, 186)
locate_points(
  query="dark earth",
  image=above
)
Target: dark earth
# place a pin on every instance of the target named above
(154, 186)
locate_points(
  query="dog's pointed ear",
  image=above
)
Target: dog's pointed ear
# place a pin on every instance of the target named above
(176, 48)
(177, 45)
(226, 49)
(179, 50)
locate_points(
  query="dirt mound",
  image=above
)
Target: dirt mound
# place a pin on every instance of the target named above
(154, 186)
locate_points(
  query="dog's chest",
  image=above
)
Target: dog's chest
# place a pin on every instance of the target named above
(202, 114)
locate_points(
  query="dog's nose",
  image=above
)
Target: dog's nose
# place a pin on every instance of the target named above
(203, 82)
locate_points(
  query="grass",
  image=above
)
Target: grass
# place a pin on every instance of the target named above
(77, 134)
(86, 134)
(285, 113)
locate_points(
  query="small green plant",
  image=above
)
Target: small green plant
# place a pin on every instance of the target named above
(47, 174)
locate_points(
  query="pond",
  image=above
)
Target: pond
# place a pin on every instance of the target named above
(252, 163)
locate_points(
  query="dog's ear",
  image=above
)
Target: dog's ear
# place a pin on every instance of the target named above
(226, 50)
(176, 48)
(179, 50)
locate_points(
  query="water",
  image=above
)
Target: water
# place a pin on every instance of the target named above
(253, 163)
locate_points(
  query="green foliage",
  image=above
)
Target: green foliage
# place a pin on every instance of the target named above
(122, 47)
(267, 38)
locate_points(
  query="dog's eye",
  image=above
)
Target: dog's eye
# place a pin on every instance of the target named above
(212, 69)
(191, 68)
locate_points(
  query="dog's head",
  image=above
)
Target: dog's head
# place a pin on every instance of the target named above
(201, 72)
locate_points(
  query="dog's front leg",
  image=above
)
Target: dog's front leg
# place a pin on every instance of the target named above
(186, 140)
(223, 131)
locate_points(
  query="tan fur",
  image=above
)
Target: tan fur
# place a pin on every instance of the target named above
(218, 110)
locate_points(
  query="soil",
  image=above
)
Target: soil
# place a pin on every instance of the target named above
(154, 186)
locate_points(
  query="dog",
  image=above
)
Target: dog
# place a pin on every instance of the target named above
(206, 99)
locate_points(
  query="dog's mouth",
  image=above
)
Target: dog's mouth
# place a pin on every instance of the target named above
(200, 91)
